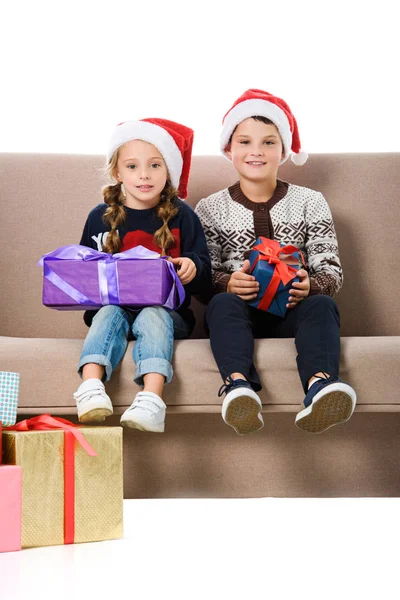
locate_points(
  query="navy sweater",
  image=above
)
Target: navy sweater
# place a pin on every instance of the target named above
(138, 229)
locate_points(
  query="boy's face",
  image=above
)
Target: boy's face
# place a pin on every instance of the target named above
(256, 150)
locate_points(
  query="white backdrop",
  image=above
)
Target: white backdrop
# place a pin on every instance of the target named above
(69, 73)
(72, 71)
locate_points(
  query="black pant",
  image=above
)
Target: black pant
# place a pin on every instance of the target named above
(314, 323)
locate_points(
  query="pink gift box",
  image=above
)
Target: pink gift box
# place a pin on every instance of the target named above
(10, 507)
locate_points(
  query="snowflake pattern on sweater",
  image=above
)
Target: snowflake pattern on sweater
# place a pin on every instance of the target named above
(302, 218)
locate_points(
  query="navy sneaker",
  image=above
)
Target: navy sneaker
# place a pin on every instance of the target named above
(328, 402)
(241, 408)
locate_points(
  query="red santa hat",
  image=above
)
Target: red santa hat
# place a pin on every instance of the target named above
(173, 140)
(254, 103)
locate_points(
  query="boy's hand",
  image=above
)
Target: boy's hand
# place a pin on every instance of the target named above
(243, 285)
(186, 270)
(300, 289)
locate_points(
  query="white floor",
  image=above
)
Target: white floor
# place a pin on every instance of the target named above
(224, 549)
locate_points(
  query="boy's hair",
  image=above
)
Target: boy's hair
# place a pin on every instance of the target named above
(256, 118)
(115, 214)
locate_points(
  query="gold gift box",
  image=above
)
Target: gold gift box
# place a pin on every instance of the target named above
(98, 485)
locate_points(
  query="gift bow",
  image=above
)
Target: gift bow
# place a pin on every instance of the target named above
(71, 433)
(107, 270)
(77, 252)
(270, 251)
(49, 423)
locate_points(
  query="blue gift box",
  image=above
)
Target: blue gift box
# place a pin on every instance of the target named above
(9, 384)
(267, 259)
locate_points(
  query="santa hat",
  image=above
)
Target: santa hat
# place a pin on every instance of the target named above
(256, 103)
(174, 142)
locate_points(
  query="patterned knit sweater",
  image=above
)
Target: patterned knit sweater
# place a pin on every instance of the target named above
(293, 215)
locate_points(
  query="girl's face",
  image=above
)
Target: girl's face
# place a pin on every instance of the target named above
(256, 150)
(143, 172)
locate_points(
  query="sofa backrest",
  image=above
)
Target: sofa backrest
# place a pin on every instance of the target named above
(45, 200)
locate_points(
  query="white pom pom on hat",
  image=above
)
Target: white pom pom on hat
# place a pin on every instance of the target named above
(300, 158)
(257, 103)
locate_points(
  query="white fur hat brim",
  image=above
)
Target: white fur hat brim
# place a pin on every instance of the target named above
(252, 108)
(153, 134)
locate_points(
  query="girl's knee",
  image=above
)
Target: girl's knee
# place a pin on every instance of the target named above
(153, 317)
(108, 312)
(110, 316)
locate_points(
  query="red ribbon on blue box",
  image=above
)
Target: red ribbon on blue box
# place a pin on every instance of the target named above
(274, 274)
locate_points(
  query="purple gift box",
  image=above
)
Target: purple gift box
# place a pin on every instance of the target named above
(79, 278)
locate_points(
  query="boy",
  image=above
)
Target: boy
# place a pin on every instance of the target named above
(260, 133)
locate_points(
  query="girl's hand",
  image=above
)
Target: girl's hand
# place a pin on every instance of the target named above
(242, 284)
(300, 290)
(186, 270)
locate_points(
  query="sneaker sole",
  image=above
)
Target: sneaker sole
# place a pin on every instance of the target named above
(243, 414)
(140, 427)
(332, 408)
(97, 415)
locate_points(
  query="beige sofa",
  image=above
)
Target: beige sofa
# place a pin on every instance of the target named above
(44, 202)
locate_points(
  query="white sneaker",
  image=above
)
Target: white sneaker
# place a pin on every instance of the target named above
(147, 413)
(92, 402)
(241, 408)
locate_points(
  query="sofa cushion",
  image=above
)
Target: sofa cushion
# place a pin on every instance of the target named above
(47, 368)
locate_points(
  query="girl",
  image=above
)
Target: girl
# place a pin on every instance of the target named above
(149, 160)
(259, 133)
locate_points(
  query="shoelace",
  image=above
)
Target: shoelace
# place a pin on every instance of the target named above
(231, 383)
(326, 377)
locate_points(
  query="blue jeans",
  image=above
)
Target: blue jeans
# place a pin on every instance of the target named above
(153, 328)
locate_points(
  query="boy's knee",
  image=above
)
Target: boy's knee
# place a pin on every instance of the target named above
(322, 300)
(322, 303)
(221, 303)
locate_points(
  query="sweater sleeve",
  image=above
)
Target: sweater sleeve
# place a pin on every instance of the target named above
(326, 275)
(219, 278)
(193, 246)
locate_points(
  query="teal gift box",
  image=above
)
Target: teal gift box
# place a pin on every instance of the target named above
(9, 385)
